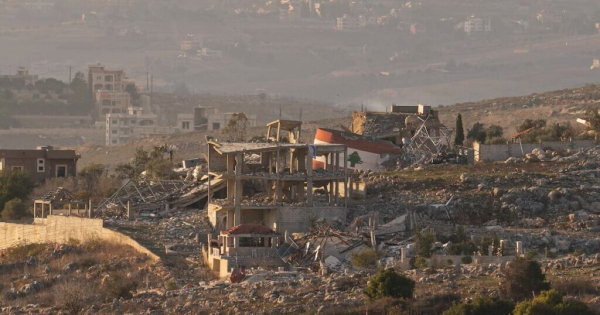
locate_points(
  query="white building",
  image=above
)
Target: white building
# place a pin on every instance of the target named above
(347, 23)
(477, 25)
(121, 128)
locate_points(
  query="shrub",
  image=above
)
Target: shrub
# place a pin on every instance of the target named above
(117, 286)
(424, 243)
(523, 278)
(481, 306)
(388, 283)
(170, 285)
(364, 259)
(420, 262)
(574, 286)
(466, 260)
(22, 251)
(15, 209)
(73, 296)
(13, 185)
(551, 302)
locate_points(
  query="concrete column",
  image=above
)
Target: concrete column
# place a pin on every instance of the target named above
(337, 182)
(309, 180)
(128, 210)
(519, 248)
(501, 251)
(346, 192)
(239, 159)
(402, 254)
(490, 250)
(34, 210)
(90, 208)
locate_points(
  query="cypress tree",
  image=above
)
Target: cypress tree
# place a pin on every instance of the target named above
(460, 132)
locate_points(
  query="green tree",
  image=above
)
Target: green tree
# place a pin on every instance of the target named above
(388, 283)
(354, 159)
(424, 243)
(482, 306)
(531, 123)
(14, 209)
(523, 278)
(493, 132)
(551, 303)
(80, 101)
(90, 175)
(14, 185)
(477, 133)
(133, 92)
(460, 132)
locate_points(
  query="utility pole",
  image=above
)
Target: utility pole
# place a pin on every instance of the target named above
(151, 90)
(70, 75)
(147, 80)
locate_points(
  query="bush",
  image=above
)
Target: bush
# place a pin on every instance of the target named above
(482, 306)
(14, 185)
(15, 209)
(523, 278)
(364, 259)
(73, 296)
(466, 260)
(117, 286)
(388, 283)
(424, 243)
(574, 286)
(170, 285)
(549, 303)
(420, 262)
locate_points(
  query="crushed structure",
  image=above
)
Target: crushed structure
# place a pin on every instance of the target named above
(60, 202)
(400, 137)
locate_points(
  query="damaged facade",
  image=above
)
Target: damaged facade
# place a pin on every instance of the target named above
(272, 185)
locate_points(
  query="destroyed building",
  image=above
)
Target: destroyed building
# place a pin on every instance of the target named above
(377, 141)
(272, 186)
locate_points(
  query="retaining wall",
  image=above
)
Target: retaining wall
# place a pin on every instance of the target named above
(59, 229)
(501, 152)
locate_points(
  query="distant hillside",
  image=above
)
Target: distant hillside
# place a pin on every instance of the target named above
(266, 108)
(509, 112)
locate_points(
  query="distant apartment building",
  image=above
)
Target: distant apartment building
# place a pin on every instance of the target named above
(23, 75)
(112, 102)
(477, 25)
(347, 23)
(42, 163)
(595, 64)
(108, 87)
(189, 45)
(198, 120)
(135, 123)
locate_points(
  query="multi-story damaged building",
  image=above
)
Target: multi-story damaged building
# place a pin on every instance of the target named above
(271, 190)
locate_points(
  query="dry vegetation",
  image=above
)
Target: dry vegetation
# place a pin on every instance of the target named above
(72, 276)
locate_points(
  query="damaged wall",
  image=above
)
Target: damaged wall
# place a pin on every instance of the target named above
(501, 152)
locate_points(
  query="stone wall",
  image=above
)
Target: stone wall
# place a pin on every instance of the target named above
(501, 152)
(60, 229)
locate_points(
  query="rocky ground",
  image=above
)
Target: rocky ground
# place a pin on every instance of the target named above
(548, 200)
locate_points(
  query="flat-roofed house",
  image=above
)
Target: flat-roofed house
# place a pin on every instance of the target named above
(42, 163)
